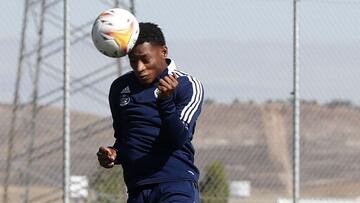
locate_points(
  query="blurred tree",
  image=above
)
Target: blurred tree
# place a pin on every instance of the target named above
(214, 186)
(209, 101)
(339, 103)
(109, 185)
(236, 101)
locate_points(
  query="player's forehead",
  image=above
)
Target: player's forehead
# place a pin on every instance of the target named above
(143, 49)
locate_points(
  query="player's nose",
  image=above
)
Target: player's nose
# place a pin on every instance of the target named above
(139, 66)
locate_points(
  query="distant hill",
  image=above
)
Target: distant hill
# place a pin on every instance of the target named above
(253, 141)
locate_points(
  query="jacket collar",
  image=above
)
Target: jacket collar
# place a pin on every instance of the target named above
(169, 70)
(171, 66)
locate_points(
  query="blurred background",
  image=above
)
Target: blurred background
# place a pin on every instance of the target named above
(241, 50)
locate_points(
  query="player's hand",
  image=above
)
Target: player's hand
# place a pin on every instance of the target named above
(167, 86)
(106, 156)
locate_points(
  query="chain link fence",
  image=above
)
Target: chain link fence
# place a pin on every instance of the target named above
(240, 50)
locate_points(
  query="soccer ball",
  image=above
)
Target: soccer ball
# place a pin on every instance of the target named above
(115, 32)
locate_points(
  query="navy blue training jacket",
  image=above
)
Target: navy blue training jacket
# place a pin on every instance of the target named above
(153, 138)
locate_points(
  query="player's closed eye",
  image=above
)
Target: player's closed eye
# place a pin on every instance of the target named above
(146, 61)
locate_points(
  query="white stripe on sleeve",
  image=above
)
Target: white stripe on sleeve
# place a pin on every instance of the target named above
(190, 109)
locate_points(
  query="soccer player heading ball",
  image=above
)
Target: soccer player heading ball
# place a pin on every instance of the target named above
(154, 110)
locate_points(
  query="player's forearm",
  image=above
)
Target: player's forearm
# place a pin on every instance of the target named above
(171, 121)
(116, 147)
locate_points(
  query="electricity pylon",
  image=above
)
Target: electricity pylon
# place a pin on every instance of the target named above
(35, 61)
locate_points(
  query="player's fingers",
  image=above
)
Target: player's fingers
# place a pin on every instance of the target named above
(173, 79)
(104, 150)
(103, 158)
(162, 88)
(170, 81)
(164, 92)
(174, 76)
(174, 83)
(112, 158)
(165, 84)
(108, 165)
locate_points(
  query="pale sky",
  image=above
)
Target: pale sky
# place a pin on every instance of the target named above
(239, 49)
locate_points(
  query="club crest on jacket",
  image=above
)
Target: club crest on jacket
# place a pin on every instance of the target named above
(124, 99)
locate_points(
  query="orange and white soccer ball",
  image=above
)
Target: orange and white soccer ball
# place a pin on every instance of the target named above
(115, 32)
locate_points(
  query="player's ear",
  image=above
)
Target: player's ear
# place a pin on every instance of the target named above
(164, 51)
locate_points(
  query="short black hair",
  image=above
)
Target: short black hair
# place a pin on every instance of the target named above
(150, 32)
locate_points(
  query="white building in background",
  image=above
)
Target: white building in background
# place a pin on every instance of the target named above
(79, 186)
(240, 189)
